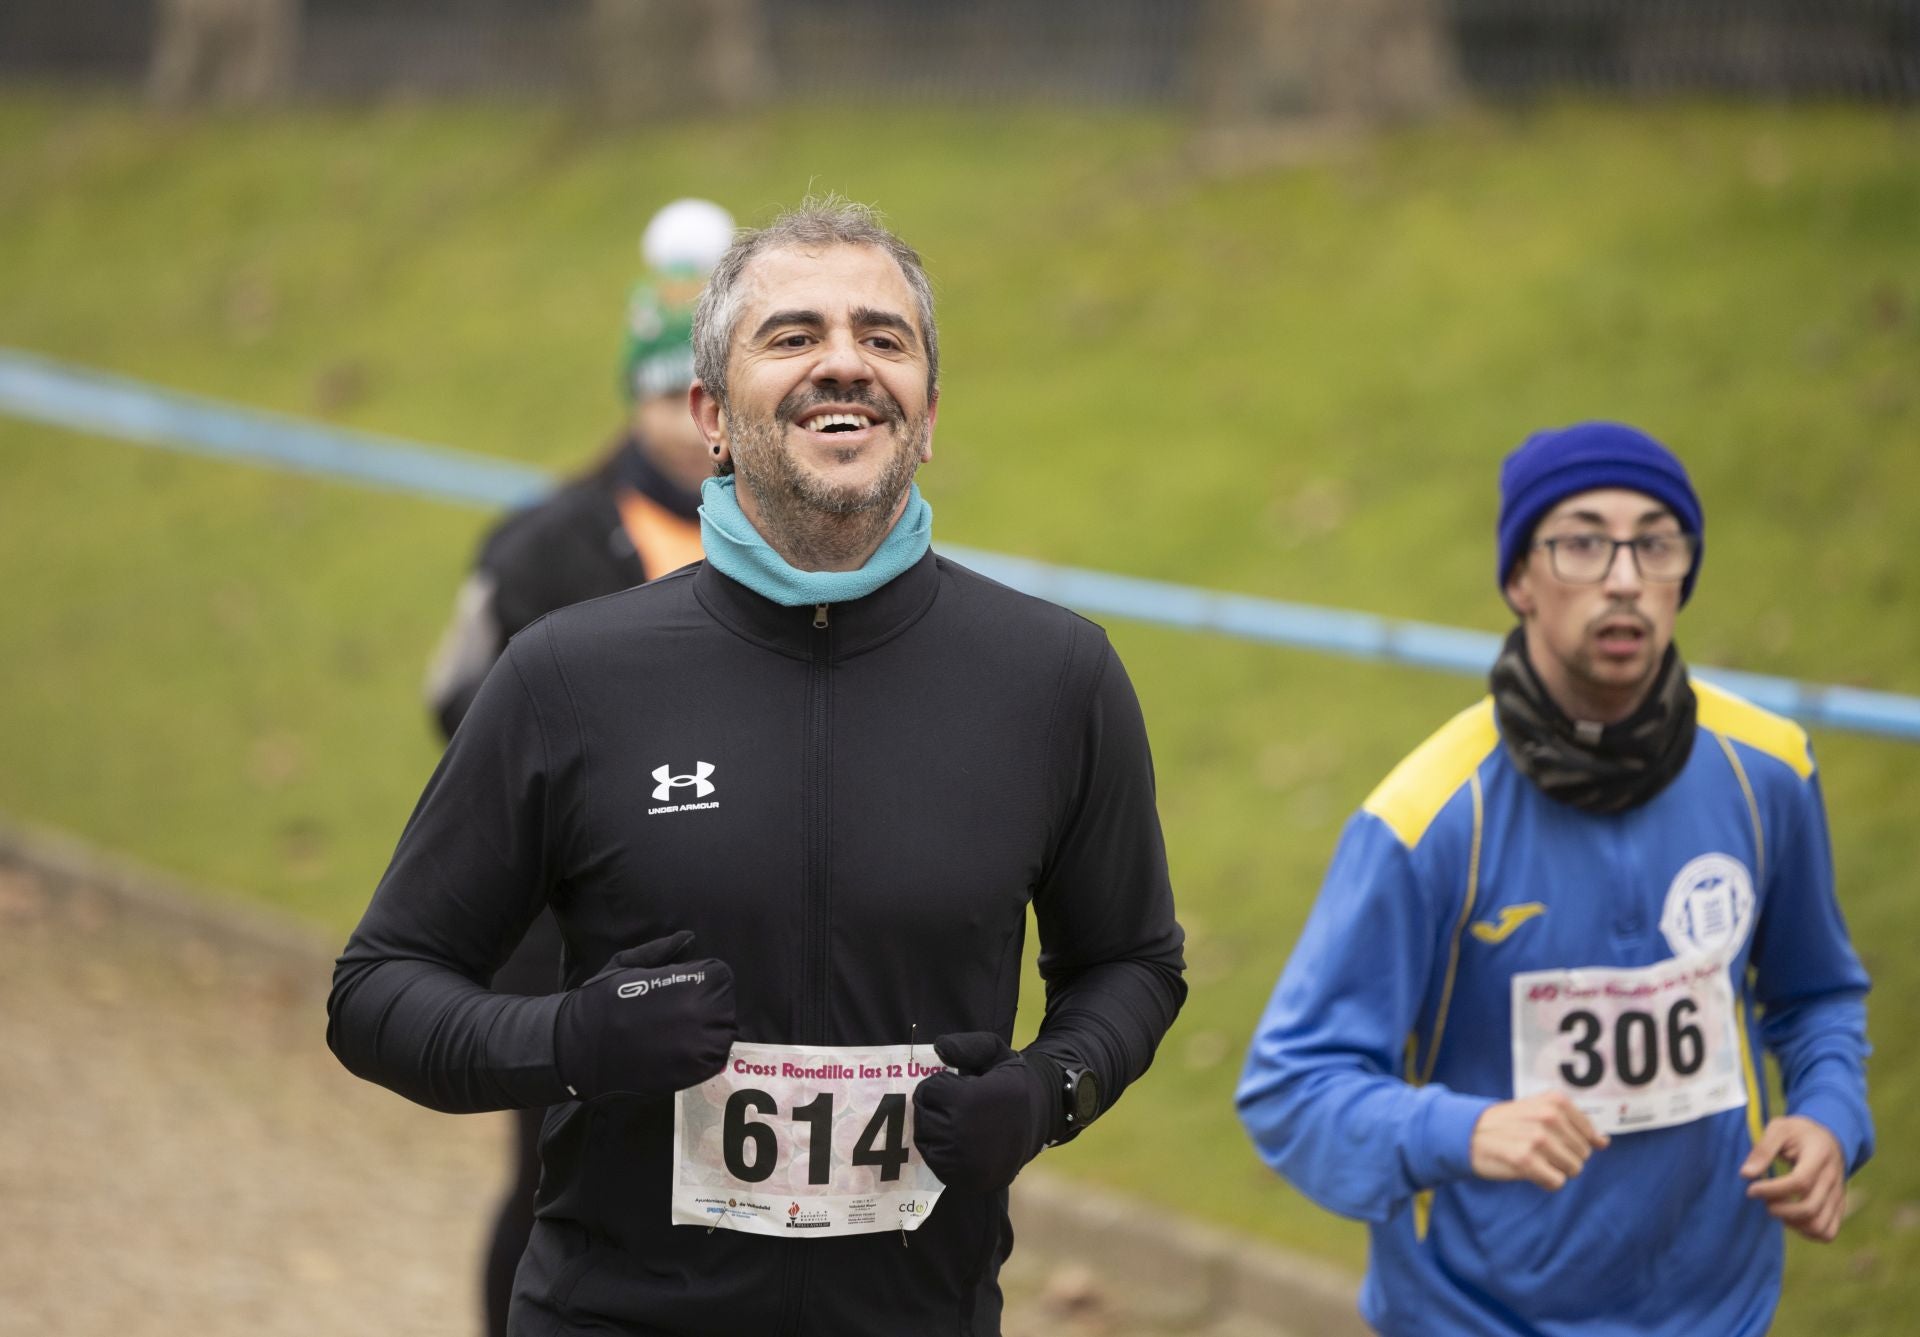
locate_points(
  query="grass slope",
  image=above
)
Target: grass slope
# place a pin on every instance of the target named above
(1292, 380)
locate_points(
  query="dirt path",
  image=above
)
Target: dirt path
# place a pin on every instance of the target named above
(179, 1153)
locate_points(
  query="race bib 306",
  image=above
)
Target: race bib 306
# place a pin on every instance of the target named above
(1635, 1049)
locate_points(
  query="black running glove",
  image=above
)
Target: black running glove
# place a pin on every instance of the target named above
(976, 1127)
(649, 1024)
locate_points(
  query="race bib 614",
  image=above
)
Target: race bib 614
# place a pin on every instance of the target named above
(804, 1142)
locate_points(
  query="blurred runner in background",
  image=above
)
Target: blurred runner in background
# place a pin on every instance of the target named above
(630, 518)
(1521, 1034)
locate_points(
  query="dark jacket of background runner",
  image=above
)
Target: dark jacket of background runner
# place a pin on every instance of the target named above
(568, 547)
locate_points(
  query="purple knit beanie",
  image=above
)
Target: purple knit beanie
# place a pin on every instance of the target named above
(1550, 466)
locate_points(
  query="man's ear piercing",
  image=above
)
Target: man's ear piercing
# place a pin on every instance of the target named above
(716, 447)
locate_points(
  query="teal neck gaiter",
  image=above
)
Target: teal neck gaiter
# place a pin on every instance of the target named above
(735, 549)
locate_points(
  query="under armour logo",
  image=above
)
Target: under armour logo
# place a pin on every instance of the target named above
(669, 781)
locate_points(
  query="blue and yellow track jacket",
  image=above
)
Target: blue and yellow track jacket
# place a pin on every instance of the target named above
(1389, 1033)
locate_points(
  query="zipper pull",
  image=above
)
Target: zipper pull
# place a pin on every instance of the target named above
(820, 617)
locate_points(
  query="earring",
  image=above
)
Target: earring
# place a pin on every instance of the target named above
(716, 448)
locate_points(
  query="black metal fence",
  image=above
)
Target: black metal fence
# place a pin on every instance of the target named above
(1275, 56)
(1860, 49)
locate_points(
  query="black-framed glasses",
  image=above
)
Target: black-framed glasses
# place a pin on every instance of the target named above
(1585, 559)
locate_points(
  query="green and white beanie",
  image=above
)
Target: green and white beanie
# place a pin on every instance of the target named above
(681, 245)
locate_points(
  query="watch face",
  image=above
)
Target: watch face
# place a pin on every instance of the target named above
(1083, 1100)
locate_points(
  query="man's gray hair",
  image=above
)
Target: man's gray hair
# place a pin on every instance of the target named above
(813, 223)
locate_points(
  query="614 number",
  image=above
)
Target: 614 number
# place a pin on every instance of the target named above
(751, 1149)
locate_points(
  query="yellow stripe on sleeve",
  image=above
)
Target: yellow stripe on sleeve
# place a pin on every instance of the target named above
(1423, 1200)
(1779, 737)
(1417, 789)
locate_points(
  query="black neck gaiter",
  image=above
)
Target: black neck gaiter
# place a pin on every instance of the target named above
(632, 467)
(1593, 768)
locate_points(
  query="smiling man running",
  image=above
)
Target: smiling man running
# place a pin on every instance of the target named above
(792, 873)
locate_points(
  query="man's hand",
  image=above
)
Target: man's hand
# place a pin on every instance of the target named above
(1543, 1139)
(649, 1024)
(1812, 1196)
(977, 1126)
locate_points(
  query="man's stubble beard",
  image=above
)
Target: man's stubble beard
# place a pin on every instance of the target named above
(1582, 665)
(813, 523)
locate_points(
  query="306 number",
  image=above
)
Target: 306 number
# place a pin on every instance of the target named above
(751, 1150)
(1636, 1048)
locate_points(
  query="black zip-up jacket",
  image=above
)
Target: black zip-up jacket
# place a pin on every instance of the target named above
(894, 780)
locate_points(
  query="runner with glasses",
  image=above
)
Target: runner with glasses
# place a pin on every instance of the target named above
(1522, 1035)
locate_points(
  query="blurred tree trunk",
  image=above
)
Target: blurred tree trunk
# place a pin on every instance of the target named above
(662, 58)
(737, 56)
(237, 52)
(1368, 60)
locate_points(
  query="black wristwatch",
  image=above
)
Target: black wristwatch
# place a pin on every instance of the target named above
(1080, 1091)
